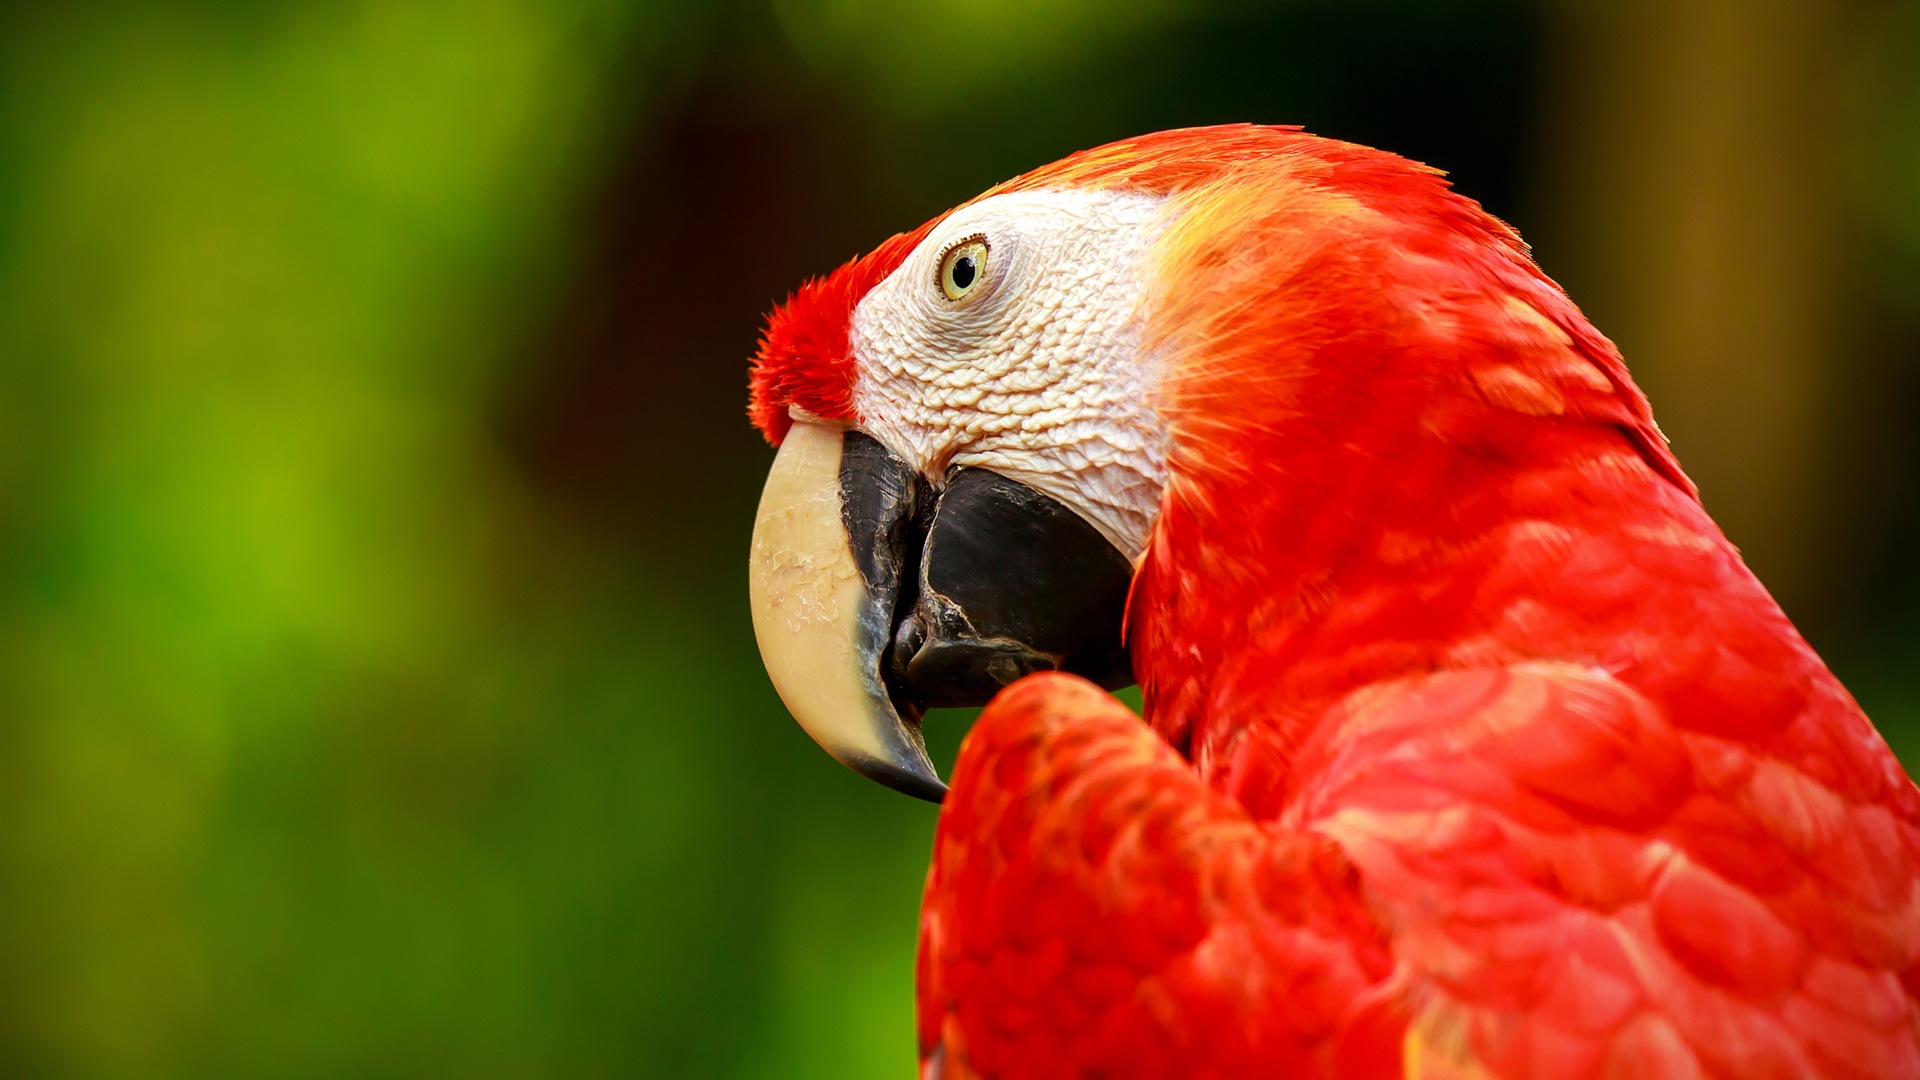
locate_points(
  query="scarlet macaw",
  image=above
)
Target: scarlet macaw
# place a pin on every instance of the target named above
(1471, 747)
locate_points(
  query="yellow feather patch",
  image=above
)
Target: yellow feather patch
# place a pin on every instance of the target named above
(1511, 388)
(1436, 1047)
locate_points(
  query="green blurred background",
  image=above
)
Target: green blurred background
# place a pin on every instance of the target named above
(377, 694)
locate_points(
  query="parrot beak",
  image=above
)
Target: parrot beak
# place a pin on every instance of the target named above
(876, 597)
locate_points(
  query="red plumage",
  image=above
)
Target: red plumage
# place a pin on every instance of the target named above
(1472, 748)
(804, 358)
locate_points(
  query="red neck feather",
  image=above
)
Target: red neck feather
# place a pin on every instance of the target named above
(1397, 447)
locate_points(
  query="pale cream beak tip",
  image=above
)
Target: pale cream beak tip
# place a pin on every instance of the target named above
(821, 634)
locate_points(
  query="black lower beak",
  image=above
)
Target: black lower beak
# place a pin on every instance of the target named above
(988, 580)
(1009, 582)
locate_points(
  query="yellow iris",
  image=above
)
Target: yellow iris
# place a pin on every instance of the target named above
(963, 267)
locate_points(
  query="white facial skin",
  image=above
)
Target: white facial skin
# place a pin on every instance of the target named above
(1036, 373)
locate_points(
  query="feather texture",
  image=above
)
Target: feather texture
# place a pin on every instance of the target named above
(1475, 749)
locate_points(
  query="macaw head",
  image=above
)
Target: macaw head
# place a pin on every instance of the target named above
(988, 426)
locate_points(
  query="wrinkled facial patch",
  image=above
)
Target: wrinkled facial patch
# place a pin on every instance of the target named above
(1010, 340)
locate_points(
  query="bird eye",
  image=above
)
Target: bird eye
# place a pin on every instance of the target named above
(962, 267)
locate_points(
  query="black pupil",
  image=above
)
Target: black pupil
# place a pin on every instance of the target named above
(963, 272)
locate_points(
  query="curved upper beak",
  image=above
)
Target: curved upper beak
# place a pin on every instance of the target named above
(876, 596)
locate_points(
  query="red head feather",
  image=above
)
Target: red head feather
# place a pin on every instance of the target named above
(804, 357)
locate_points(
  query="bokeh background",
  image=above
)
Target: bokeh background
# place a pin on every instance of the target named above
(377, 693)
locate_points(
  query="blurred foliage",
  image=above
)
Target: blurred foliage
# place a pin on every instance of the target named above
(329, 750)
(376, 689)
